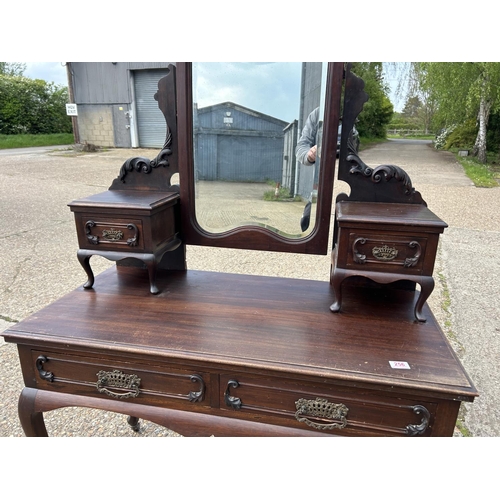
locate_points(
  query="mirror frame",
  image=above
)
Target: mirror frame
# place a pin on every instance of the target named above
(255, 237)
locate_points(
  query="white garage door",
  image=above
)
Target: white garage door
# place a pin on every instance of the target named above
(150, 120)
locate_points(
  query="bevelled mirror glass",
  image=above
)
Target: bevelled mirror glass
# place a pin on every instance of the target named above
(256, 151)
(247, 119)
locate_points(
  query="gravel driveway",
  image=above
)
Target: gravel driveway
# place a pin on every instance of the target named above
(38, 260)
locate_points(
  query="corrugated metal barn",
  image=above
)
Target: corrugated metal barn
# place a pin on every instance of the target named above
(116, 105)
(234, 143)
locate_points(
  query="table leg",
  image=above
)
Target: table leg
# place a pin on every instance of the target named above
(151, 265)
(426, 287)
(336, 282)
(84, 258)
(134, 423)
(31, 420)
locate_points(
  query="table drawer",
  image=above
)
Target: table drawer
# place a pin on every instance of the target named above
(109, 233)
(326, 407)
(386, 252)
(143, 384)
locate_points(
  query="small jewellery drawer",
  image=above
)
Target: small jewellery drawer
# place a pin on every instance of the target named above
(386, 252)
(326, 408)
(143, 384)
(119, 234)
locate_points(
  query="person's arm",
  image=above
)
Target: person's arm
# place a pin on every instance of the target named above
(307, 139)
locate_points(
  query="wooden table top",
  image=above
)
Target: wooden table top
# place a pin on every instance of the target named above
(254, 323)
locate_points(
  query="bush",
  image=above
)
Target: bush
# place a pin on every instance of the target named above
(493, 134)
(442, 136)
(462, 136)
(32, 107)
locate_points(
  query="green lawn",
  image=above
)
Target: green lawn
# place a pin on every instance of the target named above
(31, 140)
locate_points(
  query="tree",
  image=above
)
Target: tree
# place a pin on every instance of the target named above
(412, 107)
(464, 90)
(378, 111)
(12, 69)
(32, 106)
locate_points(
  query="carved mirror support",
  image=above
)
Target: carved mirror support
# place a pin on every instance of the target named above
(384, 183)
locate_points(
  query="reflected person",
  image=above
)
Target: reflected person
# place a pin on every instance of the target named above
(306, 153)
(306, 146)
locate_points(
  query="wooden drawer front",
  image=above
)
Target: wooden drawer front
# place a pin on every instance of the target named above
(327, 408)
(136, 383)
(386, 252)
(103, 233)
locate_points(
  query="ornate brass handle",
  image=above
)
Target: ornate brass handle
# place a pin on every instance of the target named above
(321, 409)
(418, 429)
(118, 384)
(232, 401)
(46, 375)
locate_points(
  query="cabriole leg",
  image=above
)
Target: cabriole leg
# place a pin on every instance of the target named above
(31, 420)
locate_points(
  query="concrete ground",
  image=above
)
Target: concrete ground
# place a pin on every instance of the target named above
(38, 260)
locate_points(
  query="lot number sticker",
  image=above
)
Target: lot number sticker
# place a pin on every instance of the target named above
(399, 365)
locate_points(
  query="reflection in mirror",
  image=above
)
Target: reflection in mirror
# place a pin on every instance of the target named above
(250, 126)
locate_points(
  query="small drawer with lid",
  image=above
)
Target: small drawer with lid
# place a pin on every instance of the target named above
(120, 234)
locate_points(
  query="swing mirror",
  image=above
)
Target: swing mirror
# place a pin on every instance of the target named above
(243, 183)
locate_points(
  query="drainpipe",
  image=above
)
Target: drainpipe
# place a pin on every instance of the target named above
(74, 119)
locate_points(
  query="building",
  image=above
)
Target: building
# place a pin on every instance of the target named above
(234, 143)
(115, 103)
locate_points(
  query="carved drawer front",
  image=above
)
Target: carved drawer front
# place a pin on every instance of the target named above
(137, 383)
(386, 252)
(118, 234)
(325, 407)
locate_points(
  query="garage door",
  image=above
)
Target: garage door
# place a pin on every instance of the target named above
(151, 125)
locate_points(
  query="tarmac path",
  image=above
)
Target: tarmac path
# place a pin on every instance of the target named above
(38, 260)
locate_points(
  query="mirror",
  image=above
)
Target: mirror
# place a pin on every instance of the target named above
(242, 184)
(247, 121)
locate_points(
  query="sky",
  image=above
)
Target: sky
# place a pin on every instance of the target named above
(289, 88)
(49, 71)
(270, 88)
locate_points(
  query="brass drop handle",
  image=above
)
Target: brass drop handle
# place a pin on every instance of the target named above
(313, 412)
(117, 384)
(232, 401)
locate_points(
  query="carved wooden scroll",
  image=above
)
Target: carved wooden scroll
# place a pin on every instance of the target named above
(141, 173)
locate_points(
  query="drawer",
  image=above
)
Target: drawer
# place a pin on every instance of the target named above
(136, 383)
(326, 407)
(109, 233)
(386, 252)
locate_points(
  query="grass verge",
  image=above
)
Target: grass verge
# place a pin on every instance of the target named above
(34, 140)
(457, 346)
(481, 174)
(417, 137)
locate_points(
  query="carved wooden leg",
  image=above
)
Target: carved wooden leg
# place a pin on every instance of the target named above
(84, 259)
(151, 263)
(31, 420)
(426, 287)
(336, 282)
(134, 423)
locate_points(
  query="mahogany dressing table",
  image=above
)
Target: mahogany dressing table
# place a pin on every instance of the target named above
(240, 355)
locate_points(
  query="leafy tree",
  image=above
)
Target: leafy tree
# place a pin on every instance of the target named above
(12, 69)
(378, 111)
(464, 90)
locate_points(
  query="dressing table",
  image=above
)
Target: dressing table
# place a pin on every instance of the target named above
(240, 355)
